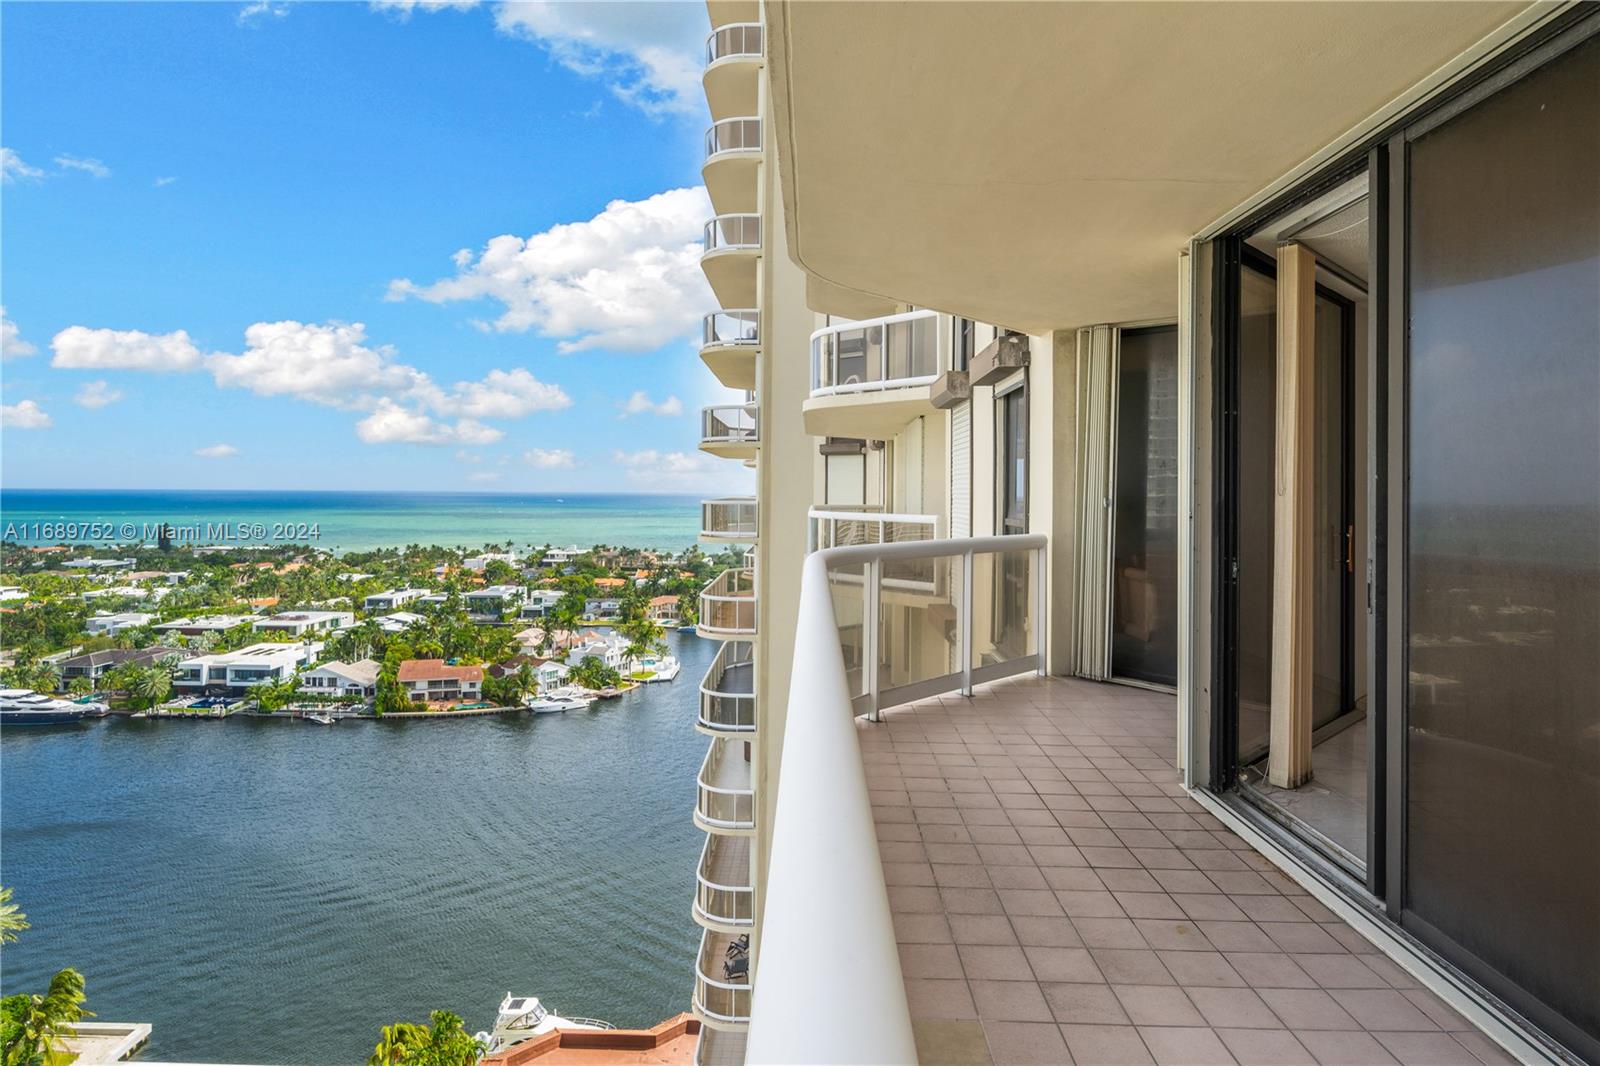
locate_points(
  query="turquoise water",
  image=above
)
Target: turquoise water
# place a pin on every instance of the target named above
(361, 521)
(276, 892)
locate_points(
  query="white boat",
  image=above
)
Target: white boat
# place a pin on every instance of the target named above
(20, 706)
(567, 698)
(524, 1017)
(320, 717)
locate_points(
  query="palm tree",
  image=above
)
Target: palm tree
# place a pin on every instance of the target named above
(12, 920)
(34, 1025)
(443, 1042)
(80, 686)
(151, 684)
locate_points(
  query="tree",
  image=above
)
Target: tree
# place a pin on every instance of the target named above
(12, 920)
(275, 695)
(152, 684)
(443, 1042)
(32, 1026)
(80, 686)
(592, 673)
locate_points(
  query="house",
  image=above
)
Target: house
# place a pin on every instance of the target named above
(300, 623)
(95, 665)
(211, 623)
(478, 562)
(555, 558)
(602, 610)
(236, 672)
(100, 564)
(516, 663)
(610, 583)
(493, 601)
(662, 609)
(539, 602)
(434, 680)
(112, 624)
(388, 601)
(335, 678)
(551, 674)
(130, 592)
(354, 577)
(433, 599)
(608, 649)
(397, 621)
(12, 592)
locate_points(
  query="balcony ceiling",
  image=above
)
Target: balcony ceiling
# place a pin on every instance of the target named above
(869, 415)
(1041, 165)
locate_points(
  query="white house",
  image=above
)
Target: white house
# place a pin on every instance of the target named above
(388, 601)
(99, 564)
(299, 623)
(132, 592)
(241, 670)
(433, 599)
(211, 623)
(493, 601)
(539, 602)
(112, 624)
(12, 592)
(398, 621)
(354, 577)
(602, 610)
(555, 557)
(608, 649)
(551, 675)
(335, 678)
(478, 562)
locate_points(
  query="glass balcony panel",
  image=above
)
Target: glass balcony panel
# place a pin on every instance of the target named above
(731, 425)
(731, 518)
(728, 603)
(894, 352)
(846, 586)
(723, 893)
(733, 135)
(722, 983)
(733, 231)
(726, 800)
(731, 327)
(727, 693)
(1003, 591)
(738, 39)
(919, 610)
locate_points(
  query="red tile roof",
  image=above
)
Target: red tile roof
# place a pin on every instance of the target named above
(436, 670)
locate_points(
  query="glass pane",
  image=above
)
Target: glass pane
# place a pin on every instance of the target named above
(1503, 578)
(1332, 565)
(1258, 369)
(918, 612)
(847, 584)
(1144, 631)
(1004, 581)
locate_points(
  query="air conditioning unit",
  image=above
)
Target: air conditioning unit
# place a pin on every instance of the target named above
(1006, 353)
(950, 389)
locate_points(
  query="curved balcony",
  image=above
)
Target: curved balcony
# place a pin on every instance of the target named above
(732, 249)
(723, 898)
(729, 344)
(718, 1047)
(727, 692)
(721, 987)
(733, 69)
(728, 606)
(839, 527)
(733, 149)
(732, 431)
(726, 802)
(869, 379)
(731, 519)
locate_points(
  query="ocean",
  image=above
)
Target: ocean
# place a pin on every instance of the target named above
(276, 892)
(361, 521)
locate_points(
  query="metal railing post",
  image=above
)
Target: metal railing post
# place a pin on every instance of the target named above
(1041, 584)
(869, 618)
(964, 623)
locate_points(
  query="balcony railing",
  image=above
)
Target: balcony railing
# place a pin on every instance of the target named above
(730, 425)
(721, 988)
(728, 605)
(723, 896)
(733, 233)
(900, 351)
(726, 328)
(735, 40)
(826, 922)
(730, 518)
(843, 527)
(727, 692)
(726, 801)
(733, 135)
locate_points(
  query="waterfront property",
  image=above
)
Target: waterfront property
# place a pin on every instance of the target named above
(95, 665)
(538, 603)
(235, 673)
(302, 623)
(436, 681)
(335, 678)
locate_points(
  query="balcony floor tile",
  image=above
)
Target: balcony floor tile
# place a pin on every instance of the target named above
(1083, 908)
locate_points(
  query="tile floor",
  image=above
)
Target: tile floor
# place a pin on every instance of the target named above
(1059, 899)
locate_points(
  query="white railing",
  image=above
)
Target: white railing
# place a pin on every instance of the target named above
(732, 232)
(895, 352)
(733, 135)
(741, 327)
(731, 424)
(826, 922)
(724, 904)
(841, 527)
(741, 39)
(718, 995)
(726, 799)
(728, 605)
(729, 518)
(729, 709)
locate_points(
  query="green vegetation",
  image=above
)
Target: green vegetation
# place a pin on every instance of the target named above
(444, 1041)
(33, 1025)
(592, 673)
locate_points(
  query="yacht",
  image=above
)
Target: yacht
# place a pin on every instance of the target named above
(566, 698)
(524, 1017)
(21, 706)
(319, 717)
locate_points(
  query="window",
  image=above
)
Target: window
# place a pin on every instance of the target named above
(963, 343)
(1011, 418)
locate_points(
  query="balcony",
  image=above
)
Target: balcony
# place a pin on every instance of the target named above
(869, 379)
(841, 527)
(732, 432)
(727, 692)
(721, 988)
(719, 1047)
(731, 519)
(729, 345)
(724, 900)
(733, 69)
(733, 150)
(726, 803)
(732, 248)
(728, 606)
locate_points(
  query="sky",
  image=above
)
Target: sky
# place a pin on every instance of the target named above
(339, 245)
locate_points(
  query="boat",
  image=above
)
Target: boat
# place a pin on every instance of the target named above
(320, 717)
(21, 706)
(567, 698)
(687, 627)
(524, 1017)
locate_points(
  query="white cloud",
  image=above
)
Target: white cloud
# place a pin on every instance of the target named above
(641, 404)
(217, 451)
(648, 54)
(628, 279)
(502, 394)
(13, 169)
(484, 475)
(162, 183)
(81, 348)
(464, 456)
(12, 346)
(251, 13)
(323, 364)
(549, 458)
(676, 470)
(97, 394)
(390, 423)
(402, 9)
(88, 166)
(24, 415)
